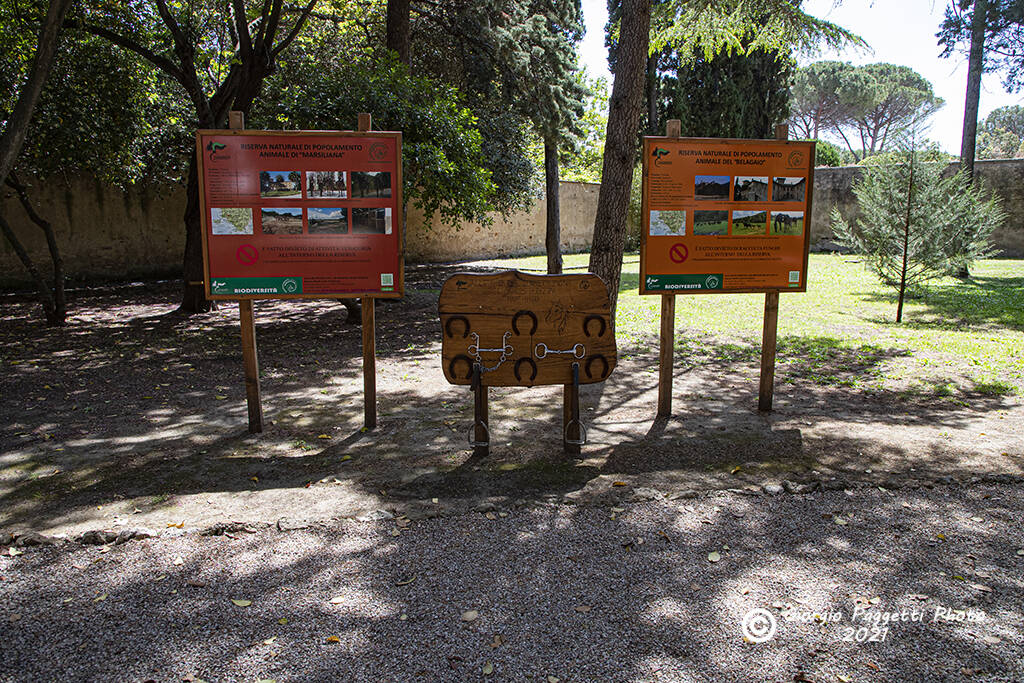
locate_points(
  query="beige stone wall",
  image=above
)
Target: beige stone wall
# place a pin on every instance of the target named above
(103, 232)
(833, 187)
(522, 233)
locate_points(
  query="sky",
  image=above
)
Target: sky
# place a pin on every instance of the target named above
(898, 32)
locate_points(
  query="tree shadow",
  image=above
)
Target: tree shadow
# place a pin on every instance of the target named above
(566, 591)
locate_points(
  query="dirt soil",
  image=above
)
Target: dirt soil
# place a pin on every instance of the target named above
(133, 415)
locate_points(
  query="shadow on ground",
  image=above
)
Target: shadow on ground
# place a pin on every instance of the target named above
(134, 410)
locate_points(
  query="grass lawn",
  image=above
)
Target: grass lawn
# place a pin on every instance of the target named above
(956, 337)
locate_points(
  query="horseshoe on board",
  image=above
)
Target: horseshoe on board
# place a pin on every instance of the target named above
(448, 326)
(533, 368)
(456, 359)
(586, 325)
(590, 361)
(515, 321)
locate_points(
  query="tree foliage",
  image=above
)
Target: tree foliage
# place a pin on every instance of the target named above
(917, 224)
(444, 164)
(731, 94)
(871, 107)
(1001, 135)
(1004, 36)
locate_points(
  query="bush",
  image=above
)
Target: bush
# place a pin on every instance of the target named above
(916, 224)
(827, 154)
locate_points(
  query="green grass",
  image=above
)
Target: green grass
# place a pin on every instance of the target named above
(842, 329)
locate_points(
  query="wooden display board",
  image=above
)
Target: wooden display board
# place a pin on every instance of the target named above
(514, 329)
(724, 216)
(302, 215)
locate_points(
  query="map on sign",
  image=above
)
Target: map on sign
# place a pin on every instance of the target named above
(231, 221)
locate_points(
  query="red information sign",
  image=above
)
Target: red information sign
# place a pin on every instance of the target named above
(725, 215)
(301, 214)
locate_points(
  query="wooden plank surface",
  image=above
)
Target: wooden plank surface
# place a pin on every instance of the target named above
(517, 322)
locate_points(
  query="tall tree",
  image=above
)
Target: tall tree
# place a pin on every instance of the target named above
(881, 104)
(710, 25)
(16, 121)
(992, 33)
(396, 33)
(818, 93)
(29, 87)
(1001, 135)
(731, 95)
(219, 58)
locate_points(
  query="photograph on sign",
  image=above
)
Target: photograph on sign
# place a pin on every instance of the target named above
(723, 215)
(309, 214)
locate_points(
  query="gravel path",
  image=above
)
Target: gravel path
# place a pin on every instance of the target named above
(544, 592)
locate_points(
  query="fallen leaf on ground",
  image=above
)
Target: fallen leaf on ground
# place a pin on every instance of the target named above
(981, 587)
(992, 640)
(323, 436)
(178, 561)
(941, 537)
(553, 679)
(840, 521)
(491, 516)
(470, 615)
(714, 556)
(337, 600)
(160, 578)
(498, 641)
(283, 621)
(345, 458)
(405, 581)
(488, 669)
(241, 603)
(14, 617)
(100, 598)
(735, 470)
(333, 639)
(583, 608)
(179, 525)
(618, 483)
(14, 552)
(196, 583)
(396, 532)
(403, 617)
(270, 641)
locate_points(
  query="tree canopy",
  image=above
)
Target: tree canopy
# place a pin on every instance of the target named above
(1001, 135)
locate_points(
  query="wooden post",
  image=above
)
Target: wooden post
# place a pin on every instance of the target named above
(571, 415)
(673, 129)
(481, 421)
(769, 334)
(247, 320)
(367, 305)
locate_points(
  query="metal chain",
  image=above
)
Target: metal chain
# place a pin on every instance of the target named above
(506, 350)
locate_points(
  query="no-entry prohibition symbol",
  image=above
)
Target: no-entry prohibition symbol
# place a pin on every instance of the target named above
(247, 255)
(678, 252)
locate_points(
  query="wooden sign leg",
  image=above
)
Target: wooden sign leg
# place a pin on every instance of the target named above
(768, 345)
(481, 423)
(571, 415)
(666, 354)
(369, 363)
(252, 366)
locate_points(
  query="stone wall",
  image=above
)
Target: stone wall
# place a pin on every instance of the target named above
(105, 233)
(833, 187)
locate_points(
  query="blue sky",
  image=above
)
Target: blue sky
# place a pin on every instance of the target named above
(898, 31)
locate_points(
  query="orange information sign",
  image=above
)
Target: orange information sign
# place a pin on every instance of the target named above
(301, 214)
(725, 215)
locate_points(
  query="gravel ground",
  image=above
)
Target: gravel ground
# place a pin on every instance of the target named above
(652, 591)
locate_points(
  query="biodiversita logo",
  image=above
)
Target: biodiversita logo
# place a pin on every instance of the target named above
(658, 153)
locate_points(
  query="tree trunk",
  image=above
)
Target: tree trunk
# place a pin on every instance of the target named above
(18, 121)
(553, 231)
(193, 298)
(906, 241)
(624, 111)
(397, 30)
(45, 295)
(975, 66)
(652, 95)
(55, 305)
